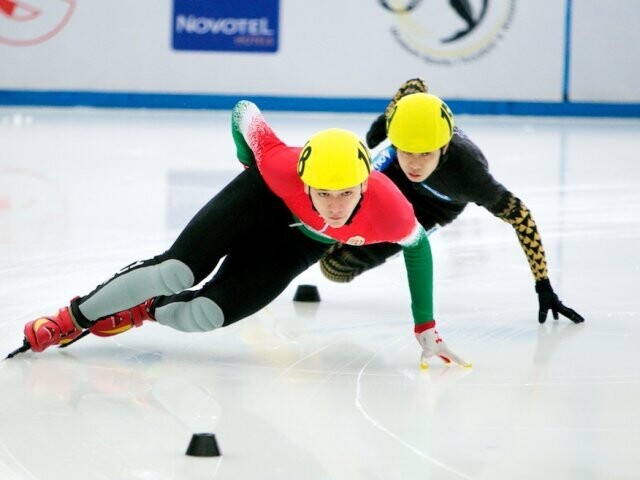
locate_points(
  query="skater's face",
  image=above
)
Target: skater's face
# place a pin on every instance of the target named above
(418, 166)
(336, 206)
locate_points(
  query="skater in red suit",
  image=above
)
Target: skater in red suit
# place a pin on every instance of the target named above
(440, 170)
(273, 221)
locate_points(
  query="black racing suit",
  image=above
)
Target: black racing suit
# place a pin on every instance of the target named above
(461, 177)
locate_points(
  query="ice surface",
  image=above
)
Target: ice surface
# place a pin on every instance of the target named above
(330, 390)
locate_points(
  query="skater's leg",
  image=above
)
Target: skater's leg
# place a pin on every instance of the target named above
(250, 277)
(235, 213)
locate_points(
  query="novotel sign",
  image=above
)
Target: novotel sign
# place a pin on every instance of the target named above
(237, 25)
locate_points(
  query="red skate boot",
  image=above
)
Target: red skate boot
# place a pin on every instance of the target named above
(57, 329)
(123, 321)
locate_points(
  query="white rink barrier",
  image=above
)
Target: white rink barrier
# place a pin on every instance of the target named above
(498, 56)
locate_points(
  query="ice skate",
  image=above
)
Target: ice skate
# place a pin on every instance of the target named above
(47, 331)
(122, 321)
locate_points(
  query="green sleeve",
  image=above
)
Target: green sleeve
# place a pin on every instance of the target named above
(419, 264)
(243, 151)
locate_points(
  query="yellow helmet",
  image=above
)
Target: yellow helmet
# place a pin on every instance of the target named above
(334, 159)
(420, 123)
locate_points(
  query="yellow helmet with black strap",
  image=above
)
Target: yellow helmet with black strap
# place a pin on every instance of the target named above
(420, 123)
(334, 159)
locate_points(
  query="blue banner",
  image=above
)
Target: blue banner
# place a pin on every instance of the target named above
(226, 25)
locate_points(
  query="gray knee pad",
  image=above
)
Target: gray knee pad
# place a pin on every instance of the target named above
(134, 287)
(170, 276)
(198, 315)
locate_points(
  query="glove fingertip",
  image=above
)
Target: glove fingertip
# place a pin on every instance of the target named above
(542, 315)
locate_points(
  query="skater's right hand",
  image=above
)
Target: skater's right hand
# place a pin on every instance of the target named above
(413, 85)
(433, 345)
(548, 300)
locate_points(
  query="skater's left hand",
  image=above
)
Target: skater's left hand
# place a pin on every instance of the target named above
(377, 132)
(433, 345)
(548, 300)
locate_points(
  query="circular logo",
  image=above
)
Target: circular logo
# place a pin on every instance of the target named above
(447, 32)
(29, 22)
(355, 241)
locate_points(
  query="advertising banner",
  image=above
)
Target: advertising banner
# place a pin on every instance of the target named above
(226, 25)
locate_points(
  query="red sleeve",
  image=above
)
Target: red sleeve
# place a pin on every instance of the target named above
(279, 170)
(276, 161)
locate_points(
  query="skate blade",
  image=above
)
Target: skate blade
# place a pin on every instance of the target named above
(25, 347)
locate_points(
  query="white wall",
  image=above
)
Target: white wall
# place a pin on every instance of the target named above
(332, 48)
(605, 60)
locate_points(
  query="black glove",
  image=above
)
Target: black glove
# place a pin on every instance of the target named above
(548, 300)
(342, 263)
(377, 132)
